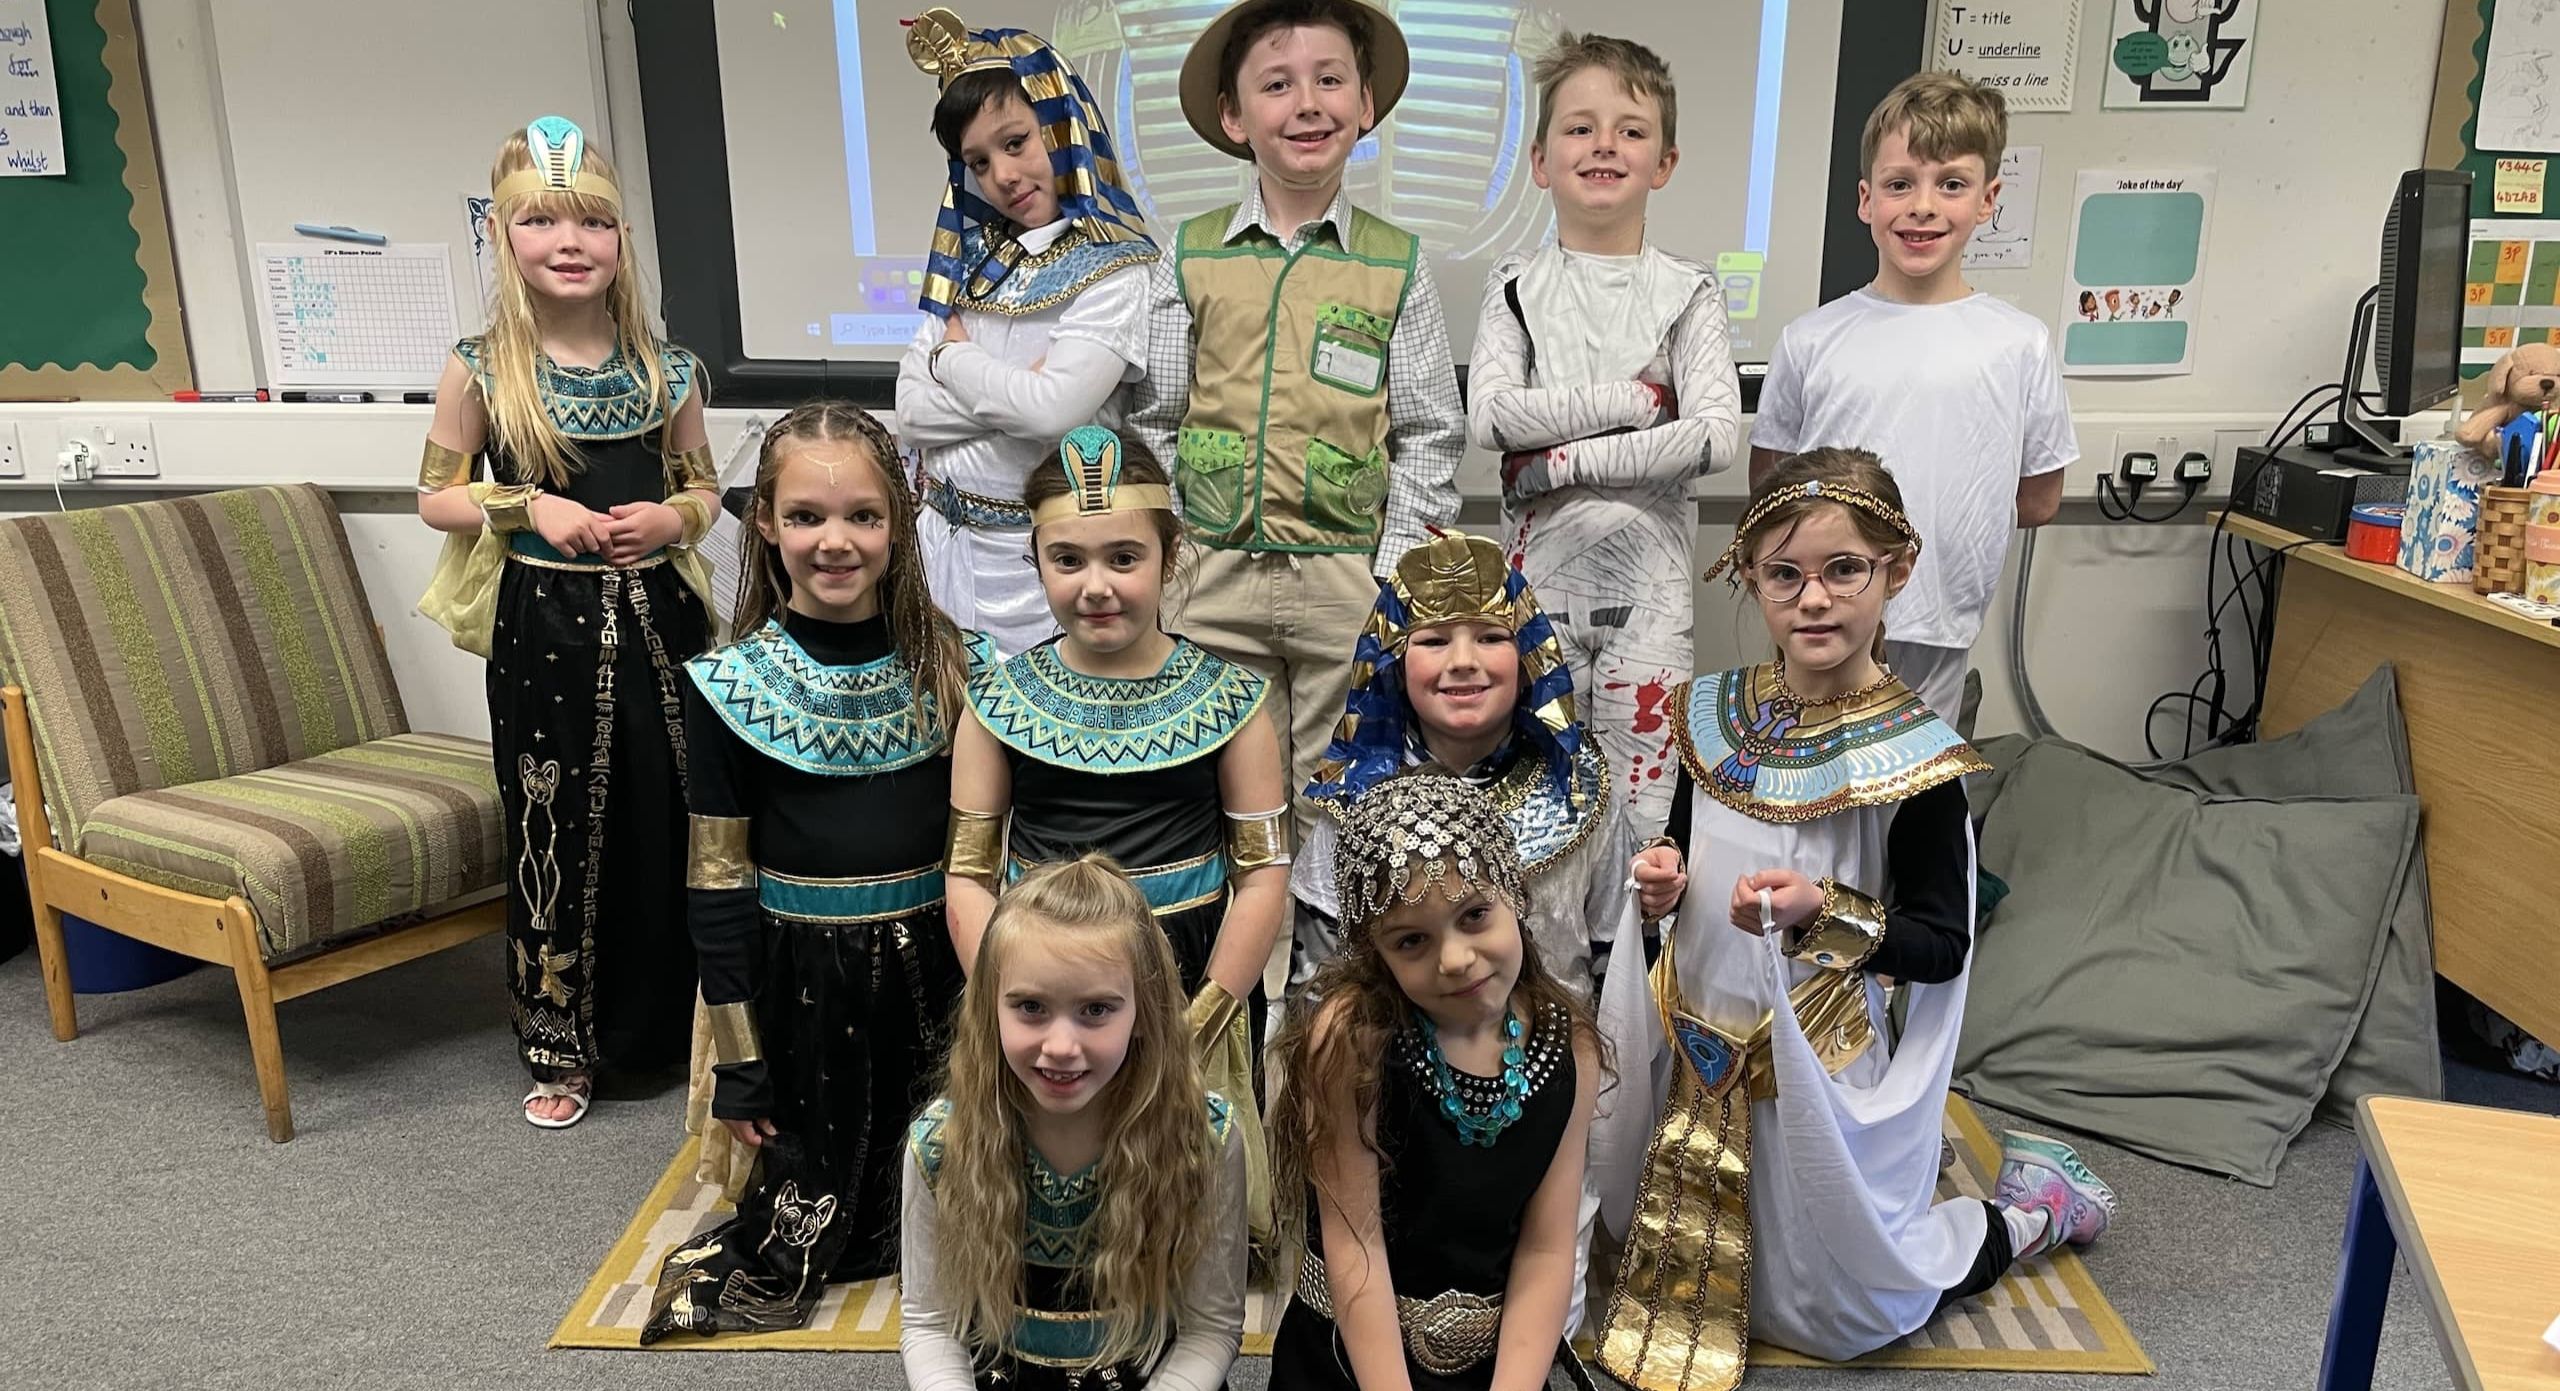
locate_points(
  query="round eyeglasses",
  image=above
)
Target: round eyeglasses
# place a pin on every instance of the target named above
(1842, 576)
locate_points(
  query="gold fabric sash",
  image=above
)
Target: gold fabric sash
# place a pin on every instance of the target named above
(1680, 1316)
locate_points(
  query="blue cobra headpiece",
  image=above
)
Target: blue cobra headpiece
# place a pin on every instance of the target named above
(1091, 190)
(1451, 578)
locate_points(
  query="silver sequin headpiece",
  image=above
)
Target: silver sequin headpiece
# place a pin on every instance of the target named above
(1410, 833)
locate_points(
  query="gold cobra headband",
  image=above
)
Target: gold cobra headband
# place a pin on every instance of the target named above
(1858, 499)
(1091, 455)
(559, 151)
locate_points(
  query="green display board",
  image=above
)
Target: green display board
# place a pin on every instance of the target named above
(92, 300)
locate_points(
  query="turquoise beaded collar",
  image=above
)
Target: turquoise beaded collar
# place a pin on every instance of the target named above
(800, 711)
(1038, 706)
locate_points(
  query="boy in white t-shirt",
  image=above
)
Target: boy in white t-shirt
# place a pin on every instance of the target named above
(1959, 393)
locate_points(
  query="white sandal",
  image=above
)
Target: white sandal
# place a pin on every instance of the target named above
(578, 1091)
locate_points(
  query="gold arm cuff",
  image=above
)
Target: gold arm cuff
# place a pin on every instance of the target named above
(440, 468)
(697, 518)
(695, 470)
(976, 847)
(1256, 840)
(733, 1034)
(1847, 931)
(1212, 1010)
(719, 858)
(507, 507)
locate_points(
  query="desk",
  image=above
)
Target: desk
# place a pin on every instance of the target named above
(2470, 672)
(2473, 1196)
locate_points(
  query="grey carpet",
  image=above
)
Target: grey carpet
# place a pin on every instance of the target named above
(418, 1234)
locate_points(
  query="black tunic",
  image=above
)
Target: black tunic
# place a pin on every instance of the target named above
(1451, 1213)
(853, 1017)
(586, 723)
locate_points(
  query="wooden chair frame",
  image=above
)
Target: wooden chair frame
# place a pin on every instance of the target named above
(221, 931)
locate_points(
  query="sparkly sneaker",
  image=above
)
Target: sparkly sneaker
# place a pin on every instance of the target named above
(2042, 1175)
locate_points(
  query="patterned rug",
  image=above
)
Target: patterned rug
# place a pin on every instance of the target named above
(2045, 1316)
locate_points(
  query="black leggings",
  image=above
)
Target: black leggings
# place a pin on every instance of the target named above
(1989, 1264)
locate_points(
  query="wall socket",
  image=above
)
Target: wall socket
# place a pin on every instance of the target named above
(13, 464)
(118, 446)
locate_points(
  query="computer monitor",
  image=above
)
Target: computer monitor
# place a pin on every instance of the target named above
(2413, 321)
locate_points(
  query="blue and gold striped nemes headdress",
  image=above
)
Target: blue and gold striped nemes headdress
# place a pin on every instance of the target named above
(1092, 457)
(1451, 578)
(974, 247)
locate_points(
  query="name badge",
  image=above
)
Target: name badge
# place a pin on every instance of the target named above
(1351, 366)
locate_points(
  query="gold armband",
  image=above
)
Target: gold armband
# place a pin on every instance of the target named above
(440, 468)
(1212, 1010)
(697, 518)
(1844, 934)
(719, 858)
(976, 848)
(1660, 843)
(506, 507)
(694, 470)
(733, 1034)
(1256, 840)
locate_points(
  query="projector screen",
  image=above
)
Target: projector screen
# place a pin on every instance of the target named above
(835, 177)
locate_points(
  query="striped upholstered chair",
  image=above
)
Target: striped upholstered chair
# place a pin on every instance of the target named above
(210, 755)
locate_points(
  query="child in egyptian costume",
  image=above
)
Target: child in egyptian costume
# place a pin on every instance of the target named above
(1035, 309)
(827, 971)
(1460, 667)
(568, 465)
(1121, 738)
(1771, 1162)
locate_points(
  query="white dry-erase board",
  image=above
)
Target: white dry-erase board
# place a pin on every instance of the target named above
(382, 117)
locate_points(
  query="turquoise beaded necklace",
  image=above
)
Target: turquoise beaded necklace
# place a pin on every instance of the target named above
(1478, 1128)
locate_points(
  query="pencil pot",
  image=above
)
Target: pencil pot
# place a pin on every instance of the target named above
(2504, 514)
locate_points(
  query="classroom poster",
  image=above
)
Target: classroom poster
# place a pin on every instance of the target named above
(2163, 55)
(30, 105)
(2023, 49)
(2511, 291)
(2008, 240)
(2521, 78)
(2131, 292)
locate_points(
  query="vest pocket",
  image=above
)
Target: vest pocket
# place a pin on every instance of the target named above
(1350, 349)
(1209, 467)
(1346, 492)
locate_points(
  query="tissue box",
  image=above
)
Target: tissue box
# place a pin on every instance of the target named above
(2443, 520)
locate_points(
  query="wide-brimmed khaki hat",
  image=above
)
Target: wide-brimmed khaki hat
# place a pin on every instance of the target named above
(1390, 64)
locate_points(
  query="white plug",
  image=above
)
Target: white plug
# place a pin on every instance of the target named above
(77, 461)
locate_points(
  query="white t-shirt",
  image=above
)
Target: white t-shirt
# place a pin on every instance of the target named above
(1960, 400)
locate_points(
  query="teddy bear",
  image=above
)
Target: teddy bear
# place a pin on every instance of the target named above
(2526, 379)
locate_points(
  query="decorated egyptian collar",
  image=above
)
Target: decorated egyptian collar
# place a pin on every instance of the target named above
(1550, 814)
(1050, 277)
(608, 402)
(799, 711)
(1041, 708)
(1748, 743)
(1058, 1209)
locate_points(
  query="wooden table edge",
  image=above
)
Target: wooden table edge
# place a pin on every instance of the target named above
(2395, 1204)
(2456, 598)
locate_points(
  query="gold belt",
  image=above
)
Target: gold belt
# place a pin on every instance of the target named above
(1444, 1335)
